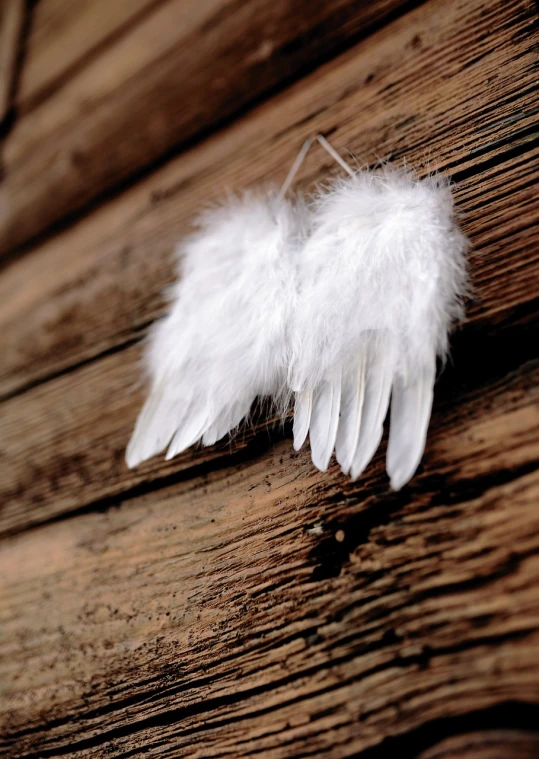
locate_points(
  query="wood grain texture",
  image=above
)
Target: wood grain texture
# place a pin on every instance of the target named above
(271, 610)
(235, 602)
(11, 21)
(94, 287)
(65, 36)
(193, 65)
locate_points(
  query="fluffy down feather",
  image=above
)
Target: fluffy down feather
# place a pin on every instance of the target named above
(224, 341)
(381, 277)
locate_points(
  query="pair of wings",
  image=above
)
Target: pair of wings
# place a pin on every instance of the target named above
(346, 303)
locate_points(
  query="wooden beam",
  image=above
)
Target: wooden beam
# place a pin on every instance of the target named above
(65, 37)
(273, 609)
(187, 68)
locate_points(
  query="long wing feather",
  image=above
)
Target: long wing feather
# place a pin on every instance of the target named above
(379, 376)
(162, 414)
(190, 431)
(325, 420)
(228, 420)
(411, 405)
(303, 406)
(353, 394)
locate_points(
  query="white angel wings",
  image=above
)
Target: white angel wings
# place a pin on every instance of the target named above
(346, 303)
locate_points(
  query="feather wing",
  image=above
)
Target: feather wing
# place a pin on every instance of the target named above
(223, 341)
(381, 280)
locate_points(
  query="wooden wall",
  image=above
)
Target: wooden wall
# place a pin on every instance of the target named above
(235, 601)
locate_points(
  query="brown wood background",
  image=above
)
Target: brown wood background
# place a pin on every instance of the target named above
(236, 602)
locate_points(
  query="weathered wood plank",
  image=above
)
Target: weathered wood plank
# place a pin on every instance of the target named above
(93, 287)
(272, 609)
(65, 36)
(11, 21)
(188, 67)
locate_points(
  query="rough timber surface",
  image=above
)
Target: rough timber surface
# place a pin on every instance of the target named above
(187, 66)
(271, 610)
(235, 602)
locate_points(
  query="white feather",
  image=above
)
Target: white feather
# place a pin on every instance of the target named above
(325, 419)
(411, 404)
(377, 391)
(353, 396)
(224, 341)
(381, 280)
(302, 417)
(228, 420)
